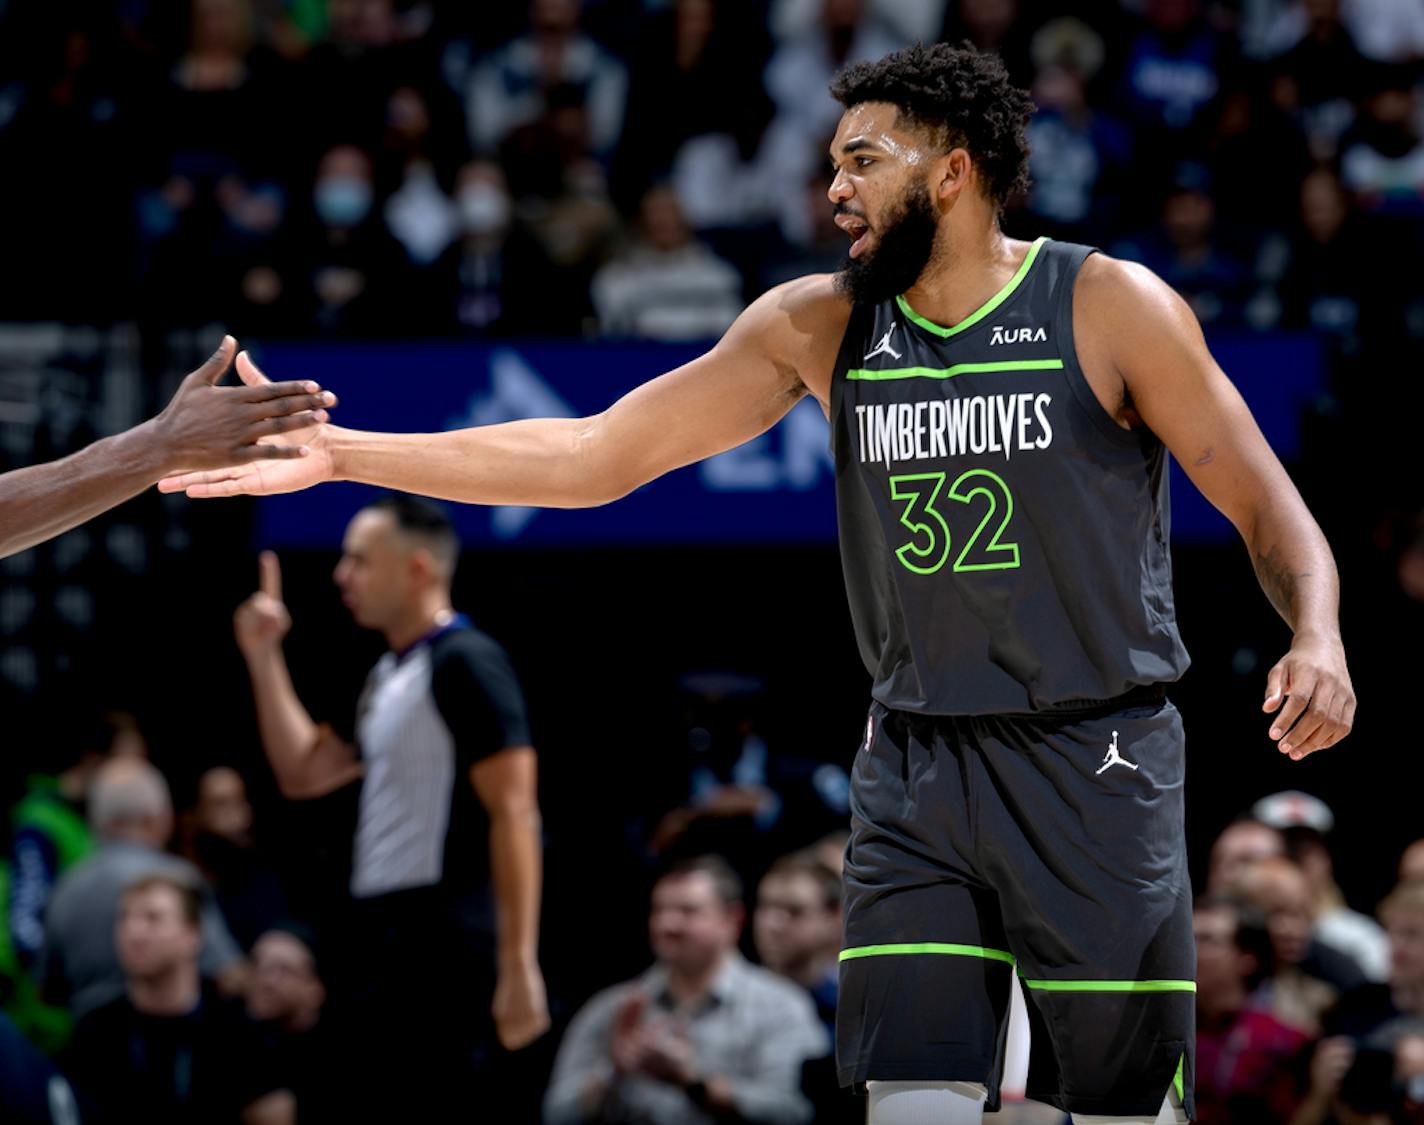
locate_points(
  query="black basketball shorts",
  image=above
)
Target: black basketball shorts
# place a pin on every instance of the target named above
(1047, 845)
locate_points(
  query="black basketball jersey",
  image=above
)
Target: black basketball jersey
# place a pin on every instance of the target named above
(1004, 540)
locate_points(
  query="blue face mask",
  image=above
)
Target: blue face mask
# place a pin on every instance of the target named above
(342, 201)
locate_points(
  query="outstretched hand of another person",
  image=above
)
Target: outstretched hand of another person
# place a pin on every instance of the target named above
(205, 426)
(1311, 689)
(285, 452)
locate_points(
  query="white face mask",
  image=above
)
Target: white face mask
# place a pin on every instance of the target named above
(484, 209)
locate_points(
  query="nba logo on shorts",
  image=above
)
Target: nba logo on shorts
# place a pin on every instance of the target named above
(869, 731)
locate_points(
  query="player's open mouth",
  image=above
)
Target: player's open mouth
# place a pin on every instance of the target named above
(857, 228)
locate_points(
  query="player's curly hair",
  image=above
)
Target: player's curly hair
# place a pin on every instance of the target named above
(960, 97)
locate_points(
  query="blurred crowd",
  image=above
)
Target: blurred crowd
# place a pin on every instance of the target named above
(642, 168)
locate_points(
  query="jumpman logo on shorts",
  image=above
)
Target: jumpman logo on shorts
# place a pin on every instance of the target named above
(884, 348)
(1113, 758)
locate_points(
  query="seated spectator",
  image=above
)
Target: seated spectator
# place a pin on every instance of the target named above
(1171, 78)
(1383, 156)
(700, 1036)
(218, 839)
(48, 831)
(1325, 284)
(1363, 1009)
(1304, 821)
(347, 268)
(1077, 154)
(1245, 1063)
(796, 927)
(170, 1050)
(666, 285)
(131, 815)
(507, 89)
(418, 212)
(561, 198)
(1328, 71)
(287, 999)
(1307, 977)
(1241, 843)
(492, 274)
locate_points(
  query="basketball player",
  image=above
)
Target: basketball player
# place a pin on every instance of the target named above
(203, 425)
(1001, 417)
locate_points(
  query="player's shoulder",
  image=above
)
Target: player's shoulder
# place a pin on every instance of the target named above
(1127, 299)
(1119, 284)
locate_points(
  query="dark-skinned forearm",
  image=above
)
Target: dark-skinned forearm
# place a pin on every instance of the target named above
(1296, 569)
(42, 501)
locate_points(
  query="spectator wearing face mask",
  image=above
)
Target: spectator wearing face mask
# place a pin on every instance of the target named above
(489, 276)
(349, 272)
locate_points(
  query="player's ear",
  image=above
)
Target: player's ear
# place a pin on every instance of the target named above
(952, 174)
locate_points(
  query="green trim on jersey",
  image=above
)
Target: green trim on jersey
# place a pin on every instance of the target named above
(1179, 1080)
(1112, 985)
(860, 374)
(983, 310)
(927, 947)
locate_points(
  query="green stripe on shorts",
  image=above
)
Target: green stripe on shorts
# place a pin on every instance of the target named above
(1112, 985)
(927, 947)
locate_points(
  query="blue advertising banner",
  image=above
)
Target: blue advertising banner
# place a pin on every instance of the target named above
(777, 488)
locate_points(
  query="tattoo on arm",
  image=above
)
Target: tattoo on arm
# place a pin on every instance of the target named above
(1279, 582)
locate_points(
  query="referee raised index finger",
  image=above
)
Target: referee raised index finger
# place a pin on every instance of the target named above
(270, 575)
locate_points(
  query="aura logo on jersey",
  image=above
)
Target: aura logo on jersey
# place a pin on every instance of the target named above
(1002, 335)
(932, 429)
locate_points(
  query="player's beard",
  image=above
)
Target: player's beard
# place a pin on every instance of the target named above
(904, 246)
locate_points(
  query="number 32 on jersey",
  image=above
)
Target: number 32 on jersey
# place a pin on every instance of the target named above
(931, 541)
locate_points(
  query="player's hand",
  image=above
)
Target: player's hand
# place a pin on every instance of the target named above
(520, 1007)
(262, 621)
(1319, 702)
(205, 426)
(288, 457)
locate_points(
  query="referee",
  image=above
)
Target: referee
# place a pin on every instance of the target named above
(446, 863)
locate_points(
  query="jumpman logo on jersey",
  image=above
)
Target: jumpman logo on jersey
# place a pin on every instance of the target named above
(1113, 758)
(884, 348)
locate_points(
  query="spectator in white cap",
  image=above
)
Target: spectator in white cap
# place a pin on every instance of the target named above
(1305, 821)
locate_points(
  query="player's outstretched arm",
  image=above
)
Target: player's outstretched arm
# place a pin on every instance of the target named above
(204, 426)
(739, 389)
(1186, 399)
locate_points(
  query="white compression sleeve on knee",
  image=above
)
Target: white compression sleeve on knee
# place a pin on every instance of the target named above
(1171, 1113)
(926, 1103)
